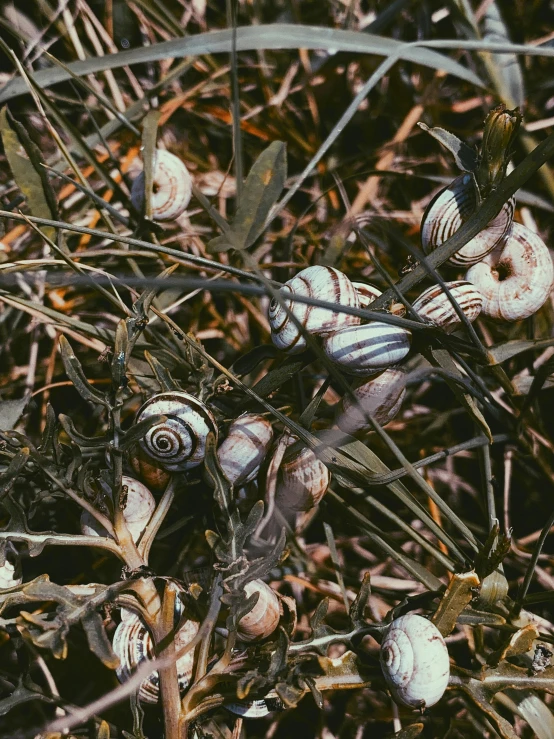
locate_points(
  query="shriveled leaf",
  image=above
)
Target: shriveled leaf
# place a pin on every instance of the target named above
(20, 695)
(508, 349)
(455, 599)
(10, 412)
(25, 173)
(9, 476)
(75, 373)
(103, 731)
(464, 156)
(410, 732)
(98, 640)
(262, 188)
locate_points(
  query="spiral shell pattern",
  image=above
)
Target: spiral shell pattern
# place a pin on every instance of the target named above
(172, 187)
(434, 305)
(451, 207)
(245, 447)
(414, 660)
(515, 282)
(180, 442)
(133, 645)
(381, 397)
(367, 349)
(322, 283)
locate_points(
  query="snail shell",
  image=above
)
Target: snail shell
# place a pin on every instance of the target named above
(180, 442)
(154, 477)
(172, 187)
(243, 450)
(494, 587)
(264, 618)
(139, 505)
(381, 397)
(434, 305)
(256, 708)
(323, 283)
(302, 481)
(366, 293)
(133, 644)
(516, 281)
(10, 571)
(415, 662)
(449, 209)
(367, 349)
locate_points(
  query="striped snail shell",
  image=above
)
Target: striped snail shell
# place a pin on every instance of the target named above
(516, 280)
(302, 481)
(322, 283)
(381, 397)
(367, 349)
(256, 708)
(414, 660)
(154, 477)
(449, 209)
(264, 618)
(434, 305)
(10, 571)
(139, 505)
(366, 293)
(171, 190)
(494, 587)
(133, 644)
(244, 448)
(180, 442)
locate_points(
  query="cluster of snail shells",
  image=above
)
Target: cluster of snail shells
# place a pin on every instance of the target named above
(415, 662)
(133, 645)
(138, 506)
(171, 187)
(509, 265)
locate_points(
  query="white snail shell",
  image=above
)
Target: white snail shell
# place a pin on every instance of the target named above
(367, 349)
(264, 618)
(10, 571)
(243, 450)
(366, 293)
(415, 662)
(381, 397)
(180, 442)
(139, 506)
(301, 481)
(516, 280)
(434, 305)
(323, 283)
(172, 187)
(133, 644)
(449, 209)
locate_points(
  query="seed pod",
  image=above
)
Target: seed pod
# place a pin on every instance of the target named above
(415, 662)
(434, 305)
(172, 187)
(133, 645)
(451, 207)
(264, 618)
(365, 350)
(180, 442)
(381, 397)
(516, 281)
(322, 283)
(243, 450)
(139, 505)
(302, 481)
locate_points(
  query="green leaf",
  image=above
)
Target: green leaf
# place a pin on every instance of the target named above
(262, 188)
(270, 36)
(464, 156)
(32, 182)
